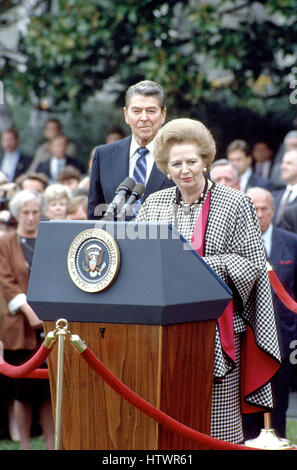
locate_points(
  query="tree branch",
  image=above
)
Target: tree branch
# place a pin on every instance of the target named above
(228, 11)
(9, 54)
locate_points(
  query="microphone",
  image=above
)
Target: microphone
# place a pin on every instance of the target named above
(136, 194)
(124, 189)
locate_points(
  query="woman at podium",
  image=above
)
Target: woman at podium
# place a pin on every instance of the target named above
(221, 225)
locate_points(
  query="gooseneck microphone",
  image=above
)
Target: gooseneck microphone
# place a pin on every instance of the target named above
(136, 194)
(124, 189)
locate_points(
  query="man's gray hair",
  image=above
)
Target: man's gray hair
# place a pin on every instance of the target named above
(289, 135)
(20, 198)
(226, 162)
(255, 190)
(146, 88)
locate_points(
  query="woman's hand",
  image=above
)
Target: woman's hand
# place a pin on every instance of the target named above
(31, 316)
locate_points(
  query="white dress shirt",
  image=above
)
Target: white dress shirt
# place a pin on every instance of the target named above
(244, 178)
(263, 168)
(293, 189)
(267, 240)
(134, 156)
(9, 164)
(56, 164)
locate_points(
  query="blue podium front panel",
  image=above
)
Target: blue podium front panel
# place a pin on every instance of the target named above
(158, 280)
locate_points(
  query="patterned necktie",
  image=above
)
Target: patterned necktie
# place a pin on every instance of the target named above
(282, 206)
(139, 174)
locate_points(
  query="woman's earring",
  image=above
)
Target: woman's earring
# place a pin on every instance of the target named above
(169, 176)
(204, 169)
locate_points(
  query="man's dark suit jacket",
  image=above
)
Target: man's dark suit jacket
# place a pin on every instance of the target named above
(289, 219)
(277, 195)
(110, 167)
(283, 259)
(258, 181)
(44, 167)
(22, 165)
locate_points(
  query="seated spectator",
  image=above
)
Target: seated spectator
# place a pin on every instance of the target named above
(58, 159)
(7, 222)
(55, 200)
(239, 154)
(21, 331)
(287, 196)
(7, 191)
(33, 181)
(85, 181)
(12, 162)
(3, 178)
(289, 143)
(224, 172)
(51, 129)
(115, 133)
(70, 177)
(77, 208)
(281, 252)
(262, 155)
(83, 187)
(289, 218)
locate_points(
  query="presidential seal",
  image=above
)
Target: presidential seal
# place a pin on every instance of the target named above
(93, 260)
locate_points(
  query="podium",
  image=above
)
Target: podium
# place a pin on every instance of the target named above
(152, 324)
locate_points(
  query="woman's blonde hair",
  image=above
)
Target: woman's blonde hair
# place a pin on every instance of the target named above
(55, 191)
(184, 131)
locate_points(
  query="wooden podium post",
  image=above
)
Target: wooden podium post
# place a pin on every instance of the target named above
(171, 367)
(156, 333)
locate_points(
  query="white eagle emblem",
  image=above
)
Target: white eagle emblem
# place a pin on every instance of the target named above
(93, 259)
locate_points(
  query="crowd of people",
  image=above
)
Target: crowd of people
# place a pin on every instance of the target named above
(248, 197)
(52, 185)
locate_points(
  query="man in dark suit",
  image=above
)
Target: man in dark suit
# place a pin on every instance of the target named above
(289, 219)
(224, 172)
(239, 154)
(262, 154)
(281, 250)
(287, 196)
(58, 159)
(145, 113)
(12, 163)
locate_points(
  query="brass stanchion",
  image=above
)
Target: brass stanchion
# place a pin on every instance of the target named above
(61, 332)
(268, 440)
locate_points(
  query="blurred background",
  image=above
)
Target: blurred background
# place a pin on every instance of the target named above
(231, 64)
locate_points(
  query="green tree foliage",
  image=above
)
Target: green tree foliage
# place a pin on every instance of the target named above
(233, 51)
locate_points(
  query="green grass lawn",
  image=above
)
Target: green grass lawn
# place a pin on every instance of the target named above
(292, 431)
(37, 443)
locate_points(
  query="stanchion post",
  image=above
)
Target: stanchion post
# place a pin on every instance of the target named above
(61, 332)
(268, 440)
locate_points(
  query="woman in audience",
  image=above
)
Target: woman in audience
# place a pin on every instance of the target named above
(56, 198)
(21, 330)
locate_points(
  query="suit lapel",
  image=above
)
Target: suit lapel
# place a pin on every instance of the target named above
(117, 164)
(277, 248)
(155, 181)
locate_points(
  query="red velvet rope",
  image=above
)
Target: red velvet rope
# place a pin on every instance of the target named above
(281, 292)
(30, 368)
(153, 412)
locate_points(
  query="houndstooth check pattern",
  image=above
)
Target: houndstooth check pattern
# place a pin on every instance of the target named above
(234, 250)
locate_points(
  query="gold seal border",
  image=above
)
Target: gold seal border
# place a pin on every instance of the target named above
(109, 278)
